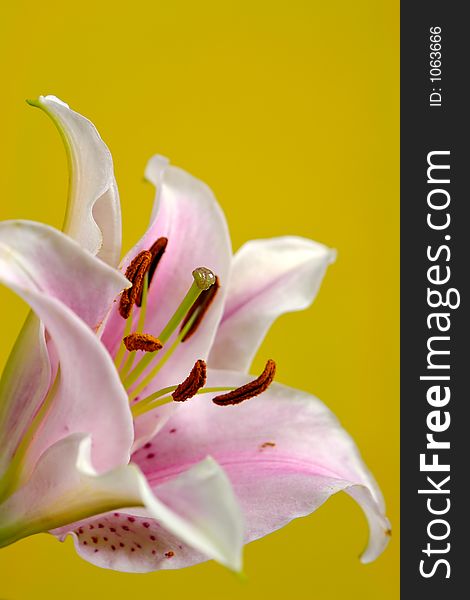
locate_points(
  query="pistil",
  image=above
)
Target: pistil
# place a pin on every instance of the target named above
(198, 310)
(203, 280)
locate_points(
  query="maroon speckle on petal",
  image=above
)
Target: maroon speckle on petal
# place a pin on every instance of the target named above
(173, 430)
(148, 445)
(113, 548)
(91, 527)
(151, 455)
(80, 530)
(153, 538)
(121, 544)
(112, 530)
(126, 528)
(85, 543)
(116, 514)
(130, 519)
(95, 540)
(132, 549)
(105, 539)
(154, 551)
(138, 545)
(146, 525)
(96, 550)
(100, 525)
(169, 554)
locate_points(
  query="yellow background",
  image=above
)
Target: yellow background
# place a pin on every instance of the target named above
(290, 112)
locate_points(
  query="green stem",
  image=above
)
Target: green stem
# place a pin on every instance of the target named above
(147, 404)
(122, 349)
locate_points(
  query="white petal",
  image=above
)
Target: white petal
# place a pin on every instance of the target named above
(197, 506)
(93, 216)
(268, 278)
(56, 276)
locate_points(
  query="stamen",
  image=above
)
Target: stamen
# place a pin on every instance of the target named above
(192, 384)
(249, 390)
(203, 279)
(142, 341)
(199, 309)
(135, 273)
(157, 250)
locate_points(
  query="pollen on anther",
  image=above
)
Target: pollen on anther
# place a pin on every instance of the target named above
(135, 273)
(194, 382)
(157, 250)
(142, 341)
(249, 390)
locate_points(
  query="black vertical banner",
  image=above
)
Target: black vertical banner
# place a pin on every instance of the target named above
(435, 317)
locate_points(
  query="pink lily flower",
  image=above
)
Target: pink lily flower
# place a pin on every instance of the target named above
(128, 419)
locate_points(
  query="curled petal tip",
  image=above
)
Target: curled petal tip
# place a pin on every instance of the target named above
(333, 253)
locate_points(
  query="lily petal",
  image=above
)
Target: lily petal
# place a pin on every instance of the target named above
(269, 277)
(57, 265)
(195, 508)
(89, 395)
(23, 386)
(39, 258)
(93, 216)
(64, 487)
(284, 452)
(188, 215)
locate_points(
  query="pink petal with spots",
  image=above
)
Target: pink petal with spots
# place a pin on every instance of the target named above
(284, 452)
(196, 509)
(144, 546)
(64, 488)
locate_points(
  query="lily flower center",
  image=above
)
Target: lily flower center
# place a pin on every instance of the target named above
(186, 319)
